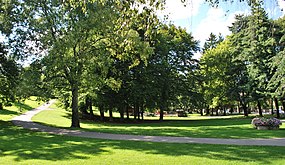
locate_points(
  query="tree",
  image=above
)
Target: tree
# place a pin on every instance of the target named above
(276, 84)
(212, 42)
(218, 81)
(9, 73)
(171, 63)
(258, 52)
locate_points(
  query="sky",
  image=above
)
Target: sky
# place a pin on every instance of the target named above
(201, 19)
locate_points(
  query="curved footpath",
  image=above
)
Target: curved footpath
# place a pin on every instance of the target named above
(25, 121)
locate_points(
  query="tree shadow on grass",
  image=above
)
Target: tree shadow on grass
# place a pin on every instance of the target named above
(23, 107)
(8, 112)
(242, 154)
(27, 145)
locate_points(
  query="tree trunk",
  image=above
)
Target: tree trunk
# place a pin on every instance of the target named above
(74, 104)
(243, 104)
(259, 108)
(111, 114)
(142, 111)
(208, 111)
(135, 112)
(217, 111)
(162, 108)
(212, 112)
(138, 111)
(277, 107)
(225, 111)
(127, 112)
(1, 106)
(232, 110)
(249, 109)
(101, 109)
(272, 107)
(244, 107)
(90, 108)
(201, 112)
(121, 110)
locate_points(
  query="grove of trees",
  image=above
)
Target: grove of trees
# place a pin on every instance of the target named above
(118, 55)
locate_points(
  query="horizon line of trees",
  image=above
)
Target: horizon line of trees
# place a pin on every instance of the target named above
(116, 56)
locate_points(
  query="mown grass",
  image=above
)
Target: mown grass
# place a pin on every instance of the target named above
(19, 146)
(17, 108)
(206, 128)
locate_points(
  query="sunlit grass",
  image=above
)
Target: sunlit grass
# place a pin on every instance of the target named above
(17, 108)
(20, 146)
(237, 127)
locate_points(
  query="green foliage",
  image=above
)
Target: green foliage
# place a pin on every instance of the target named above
(9, 73)
(215, 67)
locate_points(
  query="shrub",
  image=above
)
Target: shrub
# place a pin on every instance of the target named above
(270, 122)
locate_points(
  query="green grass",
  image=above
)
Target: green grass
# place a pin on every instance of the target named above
(19, 146)
(18, 108)
(205, 127)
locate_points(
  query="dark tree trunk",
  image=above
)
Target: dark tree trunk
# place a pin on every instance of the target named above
(135, 112)
(162, 108)
(259, 108)
(111, 114)
(244, 107)
(74, 104)
(208, 111)
(142, 111)
(249, 109)
(101, 109)
(138, 111)
(90, 108)
(1, 106)
(225, 111)
(277, 107)
(201, 112)
(217, 111)
(121, 110)
(84, 108)
(232, 110)
(212, 111)
(127, 112)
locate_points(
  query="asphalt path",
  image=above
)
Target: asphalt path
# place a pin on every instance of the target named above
(25, 121)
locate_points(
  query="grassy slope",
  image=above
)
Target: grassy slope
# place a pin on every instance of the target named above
(216, 128)
(9, 112)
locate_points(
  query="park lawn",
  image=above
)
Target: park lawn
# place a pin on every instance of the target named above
(206, 128)
(20, 146)
(18, 108)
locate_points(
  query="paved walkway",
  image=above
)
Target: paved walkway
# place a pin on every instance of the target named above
(25, 121)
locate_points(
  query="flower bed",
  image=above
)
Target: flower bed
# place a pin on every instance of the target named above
(266, 123)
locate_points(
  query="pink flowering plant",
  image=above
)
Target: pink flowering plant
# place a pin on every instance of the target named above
(270, 122)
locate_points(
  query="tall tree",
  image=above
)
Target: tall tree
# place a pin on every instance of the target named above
(212, 42)
(76, 37)
(9, 74)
